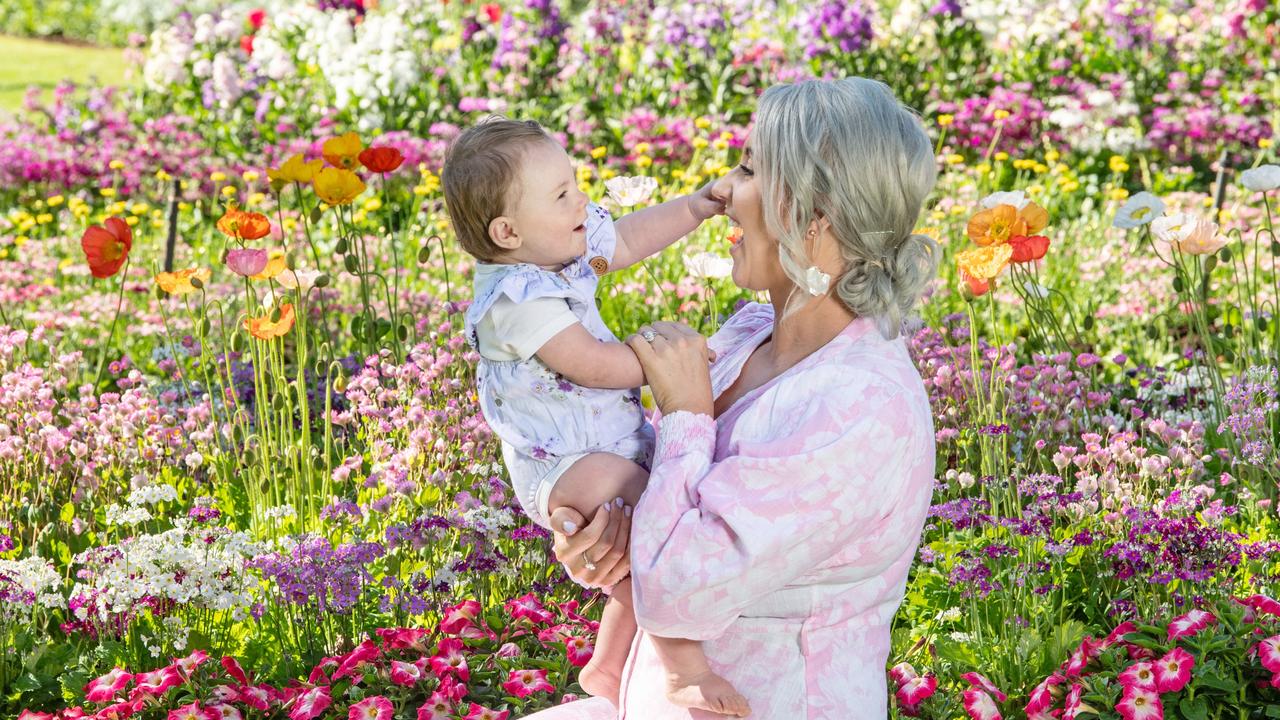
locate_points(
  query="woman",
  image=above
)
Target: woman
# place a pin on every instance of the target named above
(791, 480)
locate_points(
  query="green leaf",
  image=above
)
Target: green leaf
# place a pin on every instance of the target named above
(1273, 711)
(27, 682)
(1194, 710)
(1217, 682)
(68, 512)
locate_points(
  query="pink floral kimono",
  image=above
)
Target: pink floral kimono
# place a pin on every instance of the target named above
(781, 532)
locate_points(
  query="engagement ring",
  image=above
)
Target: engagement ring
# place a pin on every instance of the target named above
(586, 563)
(648, 335)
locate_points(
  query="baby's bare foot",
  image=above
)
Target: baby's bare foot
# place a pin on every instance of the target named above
(599, 682)
(706, 691)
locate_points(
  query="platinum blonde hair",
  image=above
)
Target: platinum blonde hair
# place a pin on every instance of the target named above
(846, 150)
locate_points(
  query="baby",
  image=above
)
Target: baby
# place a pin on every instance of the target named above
(554, 383)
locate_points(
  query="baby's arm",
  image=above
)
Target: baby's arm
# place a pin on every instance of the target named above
(649, 231)
(582, 359)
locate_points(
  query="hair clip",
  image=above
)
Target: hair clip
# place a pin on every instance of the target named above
(878, 233)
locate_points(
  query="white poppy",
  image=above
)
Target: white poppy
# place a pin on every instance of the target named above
(1016, 198)
(704, 266)
(1140, 210)
(628, 191)
(1263, 178)
(1190, 233)
(298, 279)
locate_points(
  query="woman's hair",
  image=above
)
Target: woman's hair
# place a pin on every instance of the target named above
(846, 150)
(479, 171)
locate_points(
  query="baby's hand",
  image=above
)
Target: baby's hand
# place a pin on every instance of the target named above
(705, 205)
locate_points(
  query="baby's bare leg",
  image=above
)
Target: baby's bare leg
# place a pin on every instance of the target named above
(591, 482)
(692, 683)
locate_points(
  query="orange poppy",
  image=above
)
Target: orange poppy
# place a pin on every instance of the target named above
(994, 226)
(1028, 248)
(244, 225)
(977, 286)
(381, 159)
(179, 281)
(264, 328)
(107, 246)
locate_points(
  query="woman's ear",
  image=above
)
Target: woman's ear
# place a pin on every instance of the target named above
(503, 233)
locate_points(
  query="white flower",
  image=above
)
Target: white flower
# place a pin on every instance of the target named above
(704, 266)
(1140, 210)
(299, 279)
(1016, 198)
(1263, 178)
(1190, 233)
(628, 191)
(1036, 289)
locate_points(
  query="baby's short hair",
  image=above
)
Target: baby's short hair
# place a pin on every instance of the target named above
(479, 171)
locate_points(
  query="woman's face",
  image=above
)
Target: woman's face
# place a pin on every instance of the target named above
(755, 255)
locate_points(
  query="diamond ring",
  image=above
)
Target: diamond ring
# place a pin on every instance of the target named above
(586, 562)
(648, 334)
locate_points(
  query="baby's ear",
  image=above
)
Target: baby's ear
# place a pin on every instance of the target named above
(503, 233)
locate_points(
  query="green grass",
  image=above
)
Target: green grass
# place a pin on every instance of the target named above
(25, 62)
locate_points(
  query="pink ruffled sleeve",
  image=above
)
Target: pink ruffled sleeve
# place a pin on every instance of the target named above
(828, 451)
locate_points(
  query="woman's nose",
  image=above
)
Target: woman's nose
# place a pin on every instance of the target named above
(722, 190)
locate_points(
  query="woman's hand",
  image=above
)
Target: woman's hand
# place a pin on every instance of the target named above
(675, 359)
(595, 555)
(704, 205)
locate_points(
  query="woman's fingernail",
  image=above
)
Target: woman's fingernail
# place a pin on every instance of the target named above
(606, 507)
(570, 527)
(627, 511)
(617, 502)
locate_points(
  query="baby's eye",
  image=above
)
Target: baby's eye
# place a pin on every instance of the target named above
(562, 195)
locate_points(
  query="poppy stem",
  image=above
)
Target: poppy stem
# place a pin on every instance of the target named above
(106, 347)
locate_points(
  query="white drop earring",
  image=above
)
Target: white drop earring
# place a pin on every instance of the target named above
(816, 282)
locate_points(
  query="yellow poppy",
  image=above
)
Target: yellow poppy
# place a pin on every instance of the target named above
(275, 266)
(264, 329)
(336, 186)
(295, 169)
(343, 151)
(986, 262)
(179, 281)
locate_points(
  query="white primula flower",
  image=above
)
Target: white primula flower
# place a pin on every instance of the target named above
(705, 266)
(1263, 178)
(120, 516)
(1016, 198)
(628, 191)
(1140, 210)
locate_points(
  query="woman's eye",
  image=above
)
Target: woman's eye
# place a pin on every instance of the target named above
(746, 170)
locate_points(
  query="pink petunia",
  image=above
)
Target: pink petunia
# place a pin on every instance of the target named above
(402, 638)
(523, 683)
(406, 674)
(902, 672)
(1118, 634)
(1269, 653)
(981, 682)
(1140, 704)
(579, 650)
(1263, 604)
(1074, 705)
(479, 712)
(106, 687)
(158, 682)
(1173, 671)
(223, 711)
(449, 660)
(375, 707)
(528, 607)
(1138, 675)
(917, 690)
(1190, 624)
(257, 697)
(247, 262)
(367, 651)
(234, 670)
(189, 663)
(1042, 696)
(192, 712)
(33, 715)
(436, 708)
(311, 703)
(980, 706)
(1079, 660)
(451, 689)
(459, 617)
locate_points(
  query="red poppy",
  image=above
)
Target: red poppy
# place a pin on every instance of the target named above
(107, 246)
(977, 286)
(493, 10)
(381, 159)
(246, 44)
(1028, 247)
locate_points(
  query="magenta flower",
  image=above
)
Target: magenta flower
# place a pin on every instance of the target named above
(33, 715)
(579, 650)
(1140, 704)
(917, 690)
(189, 663)
(258, 697)
(401, 638)
(406, 674)
(1079, 660)
(1190, 624)
(509, 650)
(106, 687)
(1118, 634)
(480, 712)
(234, 670)
(247, 262)
(459, 617)
(311, 704)
(450, 660)
(192, 712)
(375, 707)
(528, 607)
(1042, 696)
(437, 708)
(1173, 671)
(1073, 705)
(158, 682)
(981, 682)
(367, 651)
(902, 673)
(523, 683)
(1269, 653)
(222, 711)
(1138, 675)
(1263, 604)
(980, 706)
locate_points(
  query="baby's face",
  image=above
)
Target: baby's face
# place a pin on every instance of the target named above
(549, 213)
